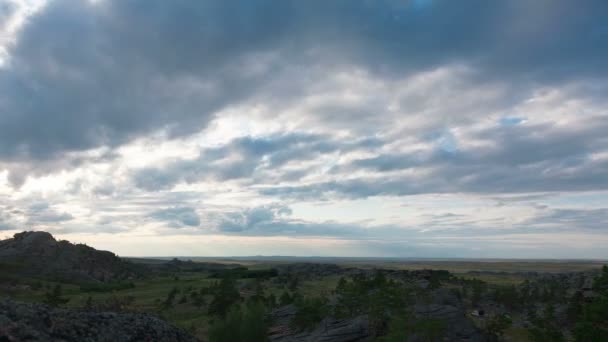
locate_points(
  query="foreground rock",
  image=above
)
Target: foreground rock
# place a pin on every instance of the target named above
(36, 322)
(329, 330)
(39, 254)
(457, 327)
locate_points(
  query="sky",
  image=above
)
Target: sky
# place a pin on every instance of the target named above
(384, 128)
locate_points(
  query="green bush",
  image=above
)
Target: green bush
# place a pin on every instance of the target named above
(310, 312)
(241, 323)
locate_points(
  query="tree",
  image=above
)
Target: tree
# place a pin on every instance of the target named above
(89, 303)
(575, 307)
(293, 283)
(259, 292)
(241, 323)
(429, 329)
(285, 299)
(508, 296)
(225, 294)
(497, 325)
(168, 303)
(546, 329)
(397, 330)
(198, 300)
(54, 297)
(310, 312)
(478, 288)
(593, 325)
(600, 284)
(271, 300)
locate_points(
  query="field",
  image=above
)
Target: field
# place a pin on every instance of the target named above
(151, 294)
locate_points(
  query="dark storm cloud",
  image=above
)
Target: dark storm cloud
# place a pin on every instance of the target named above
(85, 74)
(178, 216)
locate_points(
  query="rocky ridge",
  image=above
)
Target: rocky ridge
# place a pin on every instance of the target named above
(40, 254)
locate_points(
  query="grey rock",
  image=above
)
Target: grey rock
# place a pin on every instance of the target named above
(39, 254)
(329, 330)
(37, 322)
(458, 326)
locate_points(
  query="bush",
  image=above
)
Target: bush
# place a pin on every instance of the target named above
(246, 323)
(54, 298)
(225, 295)
(310, 312)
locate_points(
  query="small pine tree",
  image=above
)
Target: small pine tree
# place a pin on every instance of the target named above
(285, 299)
(241, 323)
(89, 303)
(54, 297)
(225, 294)
(168, 303)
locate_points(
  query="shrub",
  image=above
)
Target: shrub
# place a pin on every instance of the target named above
(241, 323)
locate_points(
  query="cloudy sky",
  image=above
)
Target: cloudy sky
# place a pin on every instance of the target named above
(410, 128)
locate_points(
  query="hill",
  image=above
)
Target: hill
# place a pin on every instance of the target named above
(39, 254)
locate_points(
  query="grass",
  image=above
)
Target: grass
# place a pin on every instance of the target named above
(148, 294)
(492, 279)
(517, 334)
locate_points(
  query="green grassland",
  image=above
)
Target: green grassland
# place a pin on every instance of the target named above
(452, 265)
(150, 294)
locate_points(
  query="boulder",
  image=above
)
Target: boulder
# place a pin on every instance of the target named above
(458, 326)
(37, 322)
(328, 330)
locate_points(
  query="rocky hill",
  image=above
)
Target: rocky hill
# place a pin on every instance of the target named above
(37, 322)
(40, 254)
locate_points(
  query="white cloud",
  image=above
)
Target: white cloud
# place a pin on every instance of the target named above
(400, 137)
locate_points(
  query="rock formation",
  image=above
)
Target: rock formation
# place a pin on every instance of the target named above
(329, 330)
(39, 254)
(37, 322)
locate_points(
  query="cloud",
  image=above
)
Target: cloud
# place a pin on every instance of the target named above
(123, 82)
(178, 217)
(42, 213)
(6, 11)
(246, 158)
(334, 120)
(5, 220)
(573, 219)
(252, 219)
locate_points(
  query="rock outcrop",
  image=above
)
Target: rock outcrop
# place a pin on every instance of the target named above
(39, 254)
(457, 326)
(328, 330)
(37, 322)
